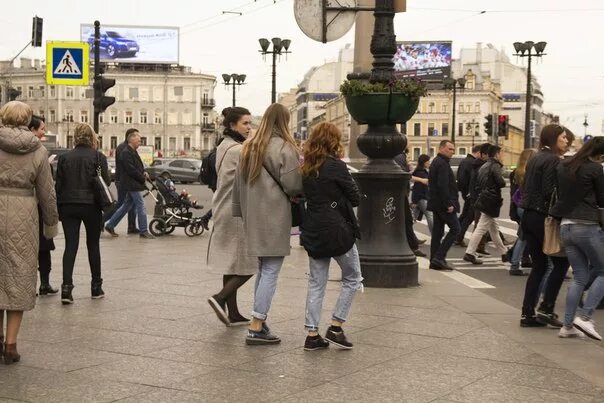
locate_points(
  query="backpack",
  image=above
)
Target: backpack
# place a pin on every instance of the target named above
(208, 174)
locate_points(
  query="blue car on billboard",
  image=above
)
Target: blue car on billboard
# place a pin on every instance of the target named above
(115, 45)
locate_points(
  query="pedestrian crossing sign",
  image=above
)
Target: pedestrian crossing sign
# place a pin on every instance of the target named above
(67, 63)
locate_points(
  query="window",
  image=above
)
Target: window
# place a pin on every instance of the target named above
(205, 118)
(462, 151)
(416, 153)
(143, 117)
(53, 91)
(143, 141)
(445, 129)
(133, 93)
(68, 116)
(158, 143)
(30, 92)
(128, 117)
(176, 163)
(69, 92)
(178, 91)
(83, 116)
(417, 129)
(113, 141)
(101, 117)
(431, 107)
(100, 140)
(69, 141)
(157, 117)
(84, 93)
(187, 143)
(468, 108)
(430, 129)
(460, 107)
(41, 113)
(42, 91)
(431, 151)
(172, 143)
(477, 107)
(205, 98)
(460, 129)
(52, 116)
(113, 116)
(445, 108)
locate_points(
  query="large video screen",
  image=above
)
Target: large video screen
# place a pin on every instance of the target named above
(425, 60)
(134, 44)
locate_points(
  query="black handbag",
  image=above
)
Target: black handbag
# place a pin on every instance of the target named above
(297, 208)
(102, 193)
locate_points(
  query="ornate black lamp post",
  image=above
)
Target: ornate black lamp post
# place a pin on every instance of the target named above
(454, 85)
(280, 46)
(238, 79)
(525, 50)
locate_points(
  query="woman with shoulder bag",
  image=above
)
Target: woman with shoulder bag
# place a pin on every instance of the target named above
(267, 178)
(78, 204)
(329, 230)
(581, 195)
(227, 245)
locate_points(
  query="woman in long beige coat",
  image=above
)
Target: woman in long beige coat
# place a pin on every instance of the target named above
(268, 175)
(25, 180)
(227, 246)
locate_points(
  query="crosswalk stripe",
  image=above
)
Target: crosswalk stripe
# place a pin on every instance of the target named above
(464, 279)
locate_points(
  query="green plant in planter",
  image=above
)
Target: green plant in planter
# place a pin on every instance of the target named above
(382, 103)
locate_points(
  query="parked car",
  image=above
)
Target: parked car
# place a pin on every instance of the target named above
(183, 170)
(115, 45)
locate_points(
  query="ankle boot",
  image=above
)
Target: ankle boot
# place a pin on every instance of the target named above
(10, 354)
(66, 297)
(46, 288)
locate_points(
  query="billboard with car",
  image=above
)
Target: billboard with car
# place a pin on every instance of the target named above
(425, 60)
(134, 44)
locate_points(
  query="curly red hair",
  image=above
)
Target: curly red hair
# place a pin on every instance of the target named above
(325, 141)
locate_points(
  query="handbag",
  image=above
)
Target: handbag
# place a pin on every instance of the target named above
(297, 208)
(102, 193)
(552, 243)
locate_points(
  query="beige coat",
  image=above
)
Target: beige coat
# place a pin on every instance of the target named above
(265, 209)
(227, 246)
(25, 180)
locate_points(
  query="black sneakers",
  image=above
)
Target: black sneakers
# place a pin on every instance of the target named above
(338, 338)
(111, 231)
(471, 258)
(46, 288)
(220, 308)
(437, 264)
(548, 319)
(313, 343)
(530, 321)
(419, 253)
(264, 336)
(96, 291)
(66, 297)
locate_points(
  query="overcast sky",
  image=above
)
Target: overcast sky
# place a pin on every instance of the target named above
(572, 73)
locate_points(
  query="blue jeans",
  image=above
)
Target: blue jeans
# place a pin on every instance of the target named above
(583, 245)
(266, 284)
(121, 196)
(133, 199)
(317, 281)
(422, 207)
(438, 249)
(518, 246)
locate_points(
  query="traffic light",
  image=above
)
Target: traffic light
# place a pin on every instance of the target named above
(101, 101)
(504, 126)
(36, 32)
(488, 126)
(13, 93)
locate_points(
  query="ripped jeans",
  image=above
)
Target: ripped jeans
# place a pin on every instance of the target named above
(319, 272)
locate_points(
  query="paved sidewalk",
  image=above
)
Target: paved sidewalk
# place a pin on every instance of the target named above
(154, 338)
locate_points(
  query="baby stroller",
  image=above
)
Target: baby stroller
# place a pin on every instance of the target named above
(172, 210)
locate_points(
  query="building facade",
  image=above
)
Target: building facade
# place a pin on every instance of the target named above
(172, 107)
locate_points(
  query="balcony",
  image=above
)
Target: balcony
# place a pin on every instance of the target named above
(208, 127)
(208, 103)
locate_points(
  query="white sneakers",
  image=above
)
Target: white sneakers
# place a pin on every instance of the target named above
(568, 333)
(587, 327)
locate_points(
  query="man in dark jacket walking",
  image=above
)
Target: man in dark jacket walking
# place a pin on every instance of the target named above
(444, 203)
(121, 192)
(464, 173)
(133, 177)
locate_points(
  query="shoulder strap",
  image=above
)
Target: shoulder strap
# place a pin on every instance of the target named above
(224, 155)
(275, 179)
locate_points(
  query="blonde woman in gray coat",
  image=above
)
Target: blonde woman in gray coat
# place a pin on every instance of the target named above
(268, 176)
(25, 181)
(227, 246)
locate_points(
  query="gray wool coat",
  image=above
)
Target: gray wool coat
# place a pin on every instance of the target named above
(227, 245)
(25, 180)
(265, 209)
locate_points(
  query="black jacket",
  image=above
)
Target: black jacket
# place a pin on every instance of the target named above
(118, 169)
(580, 197)
(330, 198)
(490, 182)
(419, 191)
(75, 172)
(473, 189)
(132, 177)
(540, 181)
(513, 187)
(464, 172)
(443, 188)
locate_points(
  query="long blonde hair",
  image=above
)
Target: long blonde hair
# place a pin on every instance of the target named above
(523, 160)
(275, 122)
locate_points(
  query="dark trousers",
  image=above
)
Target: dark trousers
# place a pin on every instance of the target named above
(466, 218)
(533, 231)
(439, 246)
(121, 196)
(44, 266)
(411, 237)
(72, 216)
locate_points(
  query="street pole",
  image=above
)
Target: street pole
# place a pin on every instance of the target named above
(97, 70)
(234, 86)
(453, 118)
(527, 113)
(274, 87)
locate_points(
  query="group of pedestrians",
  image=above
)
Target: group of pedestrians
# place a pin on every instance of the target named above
(260, 175)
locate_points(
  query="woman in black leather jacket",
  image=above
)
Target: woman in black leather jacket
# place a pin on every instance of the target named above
(75, 197)
(329, 230)
(581, 194)
(539, 185)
